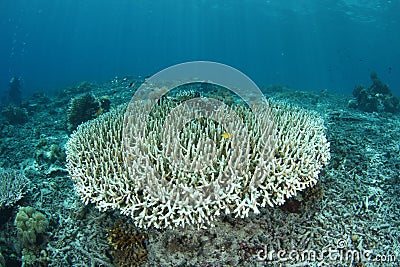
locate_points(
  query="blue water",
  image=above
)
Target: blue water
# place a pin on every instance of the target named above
(308, 45)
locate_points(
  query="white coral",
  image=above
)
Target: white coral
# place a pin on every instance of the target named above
(168, 166)
(13, 185)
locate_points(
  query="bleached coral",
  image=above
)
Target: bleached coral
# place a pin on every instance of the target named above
(13, 186)
(167, 166)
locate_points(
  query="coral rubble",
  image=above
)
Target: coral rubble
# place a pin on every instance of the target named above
(14, 114)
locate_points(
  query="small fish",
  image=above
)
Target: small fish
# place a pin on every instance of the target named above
(99, 111)
(226, 135)
(137, 99)
(130, 85)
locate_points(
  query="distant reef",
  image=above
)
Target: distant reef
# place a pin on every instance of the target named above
(376, 98)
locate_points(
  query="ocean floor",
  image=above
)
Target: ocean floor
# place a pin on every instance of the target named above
(351, 218)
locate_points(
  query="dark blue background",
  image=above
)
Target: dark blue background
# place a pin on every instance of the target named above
(308, 45)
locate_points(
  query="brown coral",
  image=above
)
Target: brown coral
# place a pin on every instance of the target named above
(81, 108)
(128, 245)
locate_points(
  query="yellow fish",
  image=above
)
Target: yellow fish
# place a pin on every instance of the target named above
(99, 111)
(226, 135)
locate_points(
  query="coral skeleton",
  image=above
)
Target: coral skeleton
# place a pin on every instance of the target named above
(13, 185)
(168, 165)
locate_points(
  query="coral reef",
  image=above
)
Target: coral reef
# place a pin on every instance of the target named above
(15, 115)
(31, 240)
(276, 152)
(81, 234)
(13, 185)
(305, 200)
(221, 93)
(30, 224)
(377, 98)
(360, 204)
(48, 152)
(37, 102)
(128, 245)
(82, 108)
(81, 88)
(105, 104)
(185, 95)
(157, 93)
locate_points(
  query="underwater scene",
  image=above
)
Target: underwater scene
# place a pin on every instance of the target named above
(200, 133)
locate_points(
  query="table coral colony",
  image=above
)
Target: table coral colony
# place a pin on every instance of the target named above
(168, 173)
